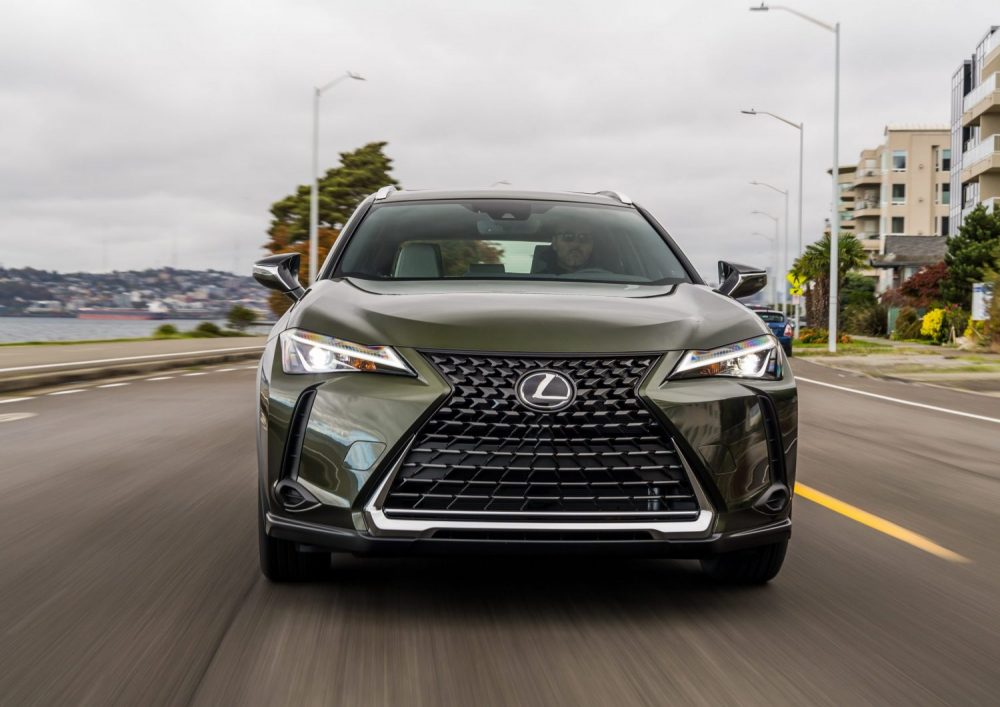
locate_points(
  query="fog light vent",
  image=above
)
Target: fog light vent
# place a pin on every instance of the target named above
(774, 499)
(293, 496)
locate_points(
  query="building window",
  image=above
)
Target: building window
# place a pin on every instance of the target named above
(946, 160)
(944, 226)
(899, 160)
(897, 224)
(898, 194)
(945, 197)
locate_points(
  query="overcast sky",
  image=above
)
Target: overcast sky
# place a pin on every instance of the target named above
(136, 134)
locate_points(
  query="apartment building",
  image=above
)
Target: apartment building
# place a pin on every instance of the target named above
(975, 130)
(900, 188)
(845, 187)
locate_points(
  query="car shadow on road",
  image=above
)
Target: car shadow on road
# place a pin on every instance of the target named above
(592, 586)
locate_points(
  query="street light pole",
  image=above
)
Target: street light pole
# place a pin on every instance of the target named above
(783, 258)
(835, 205)
(774, 248)
(801, 128)
(314, 177)
(774, 280)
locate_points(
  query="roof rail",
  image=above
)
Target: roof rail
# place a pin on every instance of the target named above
(384, 192)
(615, 195)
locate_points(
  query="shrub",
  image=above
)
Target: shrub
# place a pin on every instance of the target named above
(821, 336)
(944, 324)
(907, 324)
(165, 331)
(931, 324)
(866, 319)
(240, 317)
(206, 329)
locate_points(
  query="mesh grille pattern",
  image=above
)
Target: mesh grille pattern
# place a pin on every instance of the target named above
(483, 452)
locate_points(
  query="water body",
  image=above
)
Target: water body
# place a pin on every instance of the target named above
(13, 329)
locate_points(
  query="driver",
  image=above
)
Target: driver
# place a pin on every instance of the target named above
(573, 248)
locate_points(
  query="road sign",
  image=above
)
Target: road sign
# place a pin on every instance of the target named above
(981, 295)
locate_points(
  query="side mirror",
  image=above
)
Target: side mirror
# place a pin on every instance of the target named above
(740, 280)
(280, 272)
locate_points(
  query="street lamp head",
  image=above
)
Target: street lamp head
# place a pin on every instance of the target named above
(752, 111)
(761, 8)
(356, 77)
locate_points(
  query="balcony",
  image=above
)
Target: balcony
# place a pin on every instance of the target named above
(991, 43)
(984, 157)
(867, 176)
(991, 204)
(984, 98)
(866, 208)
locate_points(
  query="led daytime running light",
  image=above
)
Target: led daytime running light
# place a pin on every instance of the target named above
(700, 359)
(299, 349)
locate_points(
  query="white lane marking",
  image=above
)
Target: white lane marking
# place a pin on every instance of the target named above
(67, 392)
(935, 408)
(14, 416)
(131, 358)
(250, 368)
(160, 378)
(17, 400)
(112, 385)
(197, 373)
(224, 370)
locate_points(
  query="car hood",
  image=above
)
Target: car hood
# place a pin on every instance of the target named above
(524, 317)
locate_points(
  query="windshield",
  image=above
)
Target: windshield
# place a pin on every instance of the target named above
(509, 239)
(772, 317)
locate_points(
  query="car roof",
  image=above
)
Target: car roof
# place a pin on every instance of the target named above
(766, 311)
(606, 199)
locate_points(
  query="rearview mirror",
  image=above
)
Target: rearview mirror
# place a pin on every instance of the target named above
(280, 272)
(740, 280)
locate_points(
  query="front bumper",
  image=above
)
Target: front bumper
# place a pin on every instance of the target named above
(737, 440)
(326, 538)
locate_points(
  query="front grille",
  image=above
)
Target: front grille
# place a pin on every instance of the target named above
(483, 454)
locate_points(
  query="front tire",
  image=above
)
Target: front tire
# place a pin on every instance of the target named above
(757, 565)
(280, 561)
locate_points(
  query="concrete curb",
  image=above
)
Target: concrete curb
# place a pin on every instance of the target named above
(73, 375)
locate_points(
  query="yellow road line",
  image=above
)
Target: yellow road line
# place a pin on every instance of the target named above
(880, 524)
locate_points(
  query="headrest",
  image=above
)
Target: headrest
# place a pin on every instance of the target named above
(418, 260)
(543, 259)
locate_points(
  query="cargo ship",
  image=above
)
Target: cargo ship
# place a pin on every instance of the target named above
(153, 311)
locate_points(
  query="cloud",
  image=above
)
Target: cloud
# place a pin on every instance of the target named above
(174, 126)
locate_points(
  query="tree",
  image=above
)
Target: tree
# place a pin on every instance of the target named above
(969, 254)
(857, 290)
(923, 288)
(814, 264)
(240, 317)
(341, 189)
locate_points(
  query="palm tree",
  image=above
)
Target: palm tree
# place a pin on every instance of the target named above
(814, 264)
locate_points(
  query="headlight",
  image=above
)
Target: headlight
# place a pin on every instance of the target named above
(753, 358)
(306, 352)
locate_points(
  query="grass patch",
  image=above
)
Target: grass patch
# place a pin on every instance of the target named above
(854, 348)
(178, 335)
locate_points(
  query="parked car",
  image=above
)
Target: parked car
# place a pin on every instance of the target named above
(779, 325)
(476, 371)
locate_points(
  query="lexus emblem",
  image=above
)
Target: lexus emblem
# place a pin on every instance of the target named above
(545, 391)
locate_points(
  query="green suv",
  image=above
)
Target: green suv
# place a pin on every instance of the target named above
(483, 371)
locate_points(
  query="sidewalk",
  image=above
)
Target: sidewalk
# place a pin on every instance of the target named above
(977, 372)
(23, 367)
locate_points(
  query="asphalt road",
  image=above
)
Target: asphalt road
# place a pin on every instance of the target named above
(128, 574)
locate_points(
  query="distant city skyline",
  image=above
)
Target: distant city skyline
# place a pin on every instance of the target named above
(138, 137)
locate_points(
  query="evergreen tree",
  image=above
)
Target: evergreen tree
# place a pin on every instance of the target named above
(341, 189)
(969, 254)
